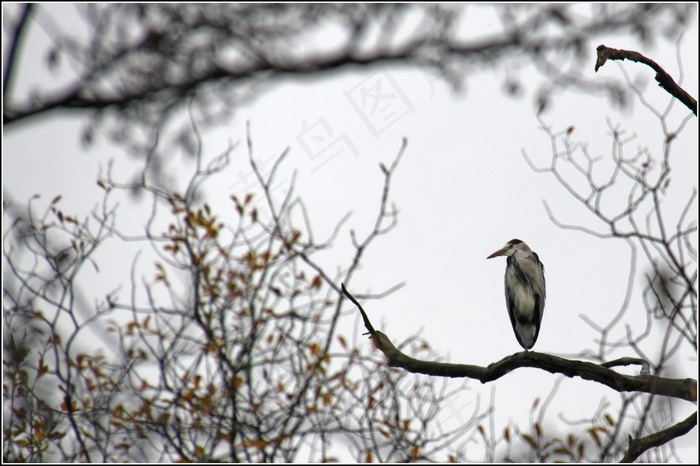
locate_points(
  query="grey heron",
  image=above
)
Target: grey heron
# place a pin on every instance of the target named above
(525, 290)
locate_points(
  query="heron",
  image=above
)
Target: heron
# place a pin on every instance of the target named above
(525, 290)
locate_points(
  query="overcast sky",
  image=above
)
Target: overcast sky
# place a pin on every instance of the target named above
(462, 189)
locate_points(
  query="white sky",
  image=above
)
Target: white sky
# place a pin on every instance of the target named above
(463, 189)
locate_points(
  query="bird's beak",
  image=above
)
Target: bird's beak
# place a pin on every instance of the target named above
(500, 252)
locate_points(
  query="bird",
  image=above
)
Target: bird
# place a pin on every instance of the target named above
(525, 290)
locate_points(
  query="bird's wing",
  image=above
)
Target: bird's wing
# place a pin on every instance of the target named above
(510, 299)
(510, 304)
(539, 263)
(539, 311)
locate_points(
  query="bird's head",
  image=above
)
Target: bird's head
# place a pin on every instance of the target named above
(510, 248)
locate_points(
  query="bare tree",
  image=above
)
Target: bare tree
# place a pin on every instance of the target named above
(228, 350)
(641, 179)
(230, 347)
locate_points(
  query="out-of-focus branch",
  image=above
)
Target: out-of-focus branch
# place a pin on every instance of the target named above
(14, 43)
(662, 77)
(234, 49)
(676, 388)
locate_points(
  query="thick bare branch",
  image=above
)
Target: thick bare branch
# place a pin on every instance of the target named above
(676, 388)
(662, 77)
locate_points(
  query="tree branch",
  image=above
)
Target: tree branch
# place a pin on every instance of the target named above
(640, 445)
(191, 70)
(662, 77)
(684, 389)
(13, 45)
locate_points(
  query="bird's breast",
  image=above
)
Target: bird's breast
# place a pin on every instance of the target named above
(522, 297)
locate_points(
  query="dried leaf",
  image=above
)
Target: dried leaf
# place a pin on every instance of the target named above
(593, 433)
(529, 439)
(343, 342)
(314, 348)
(609, 419)
(538, 430)
(38, 434)
(237, 382)
(255, 443)
(415, 451)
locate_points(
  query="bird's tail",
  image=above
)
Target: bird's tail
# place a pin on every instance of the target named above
(526, 333)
